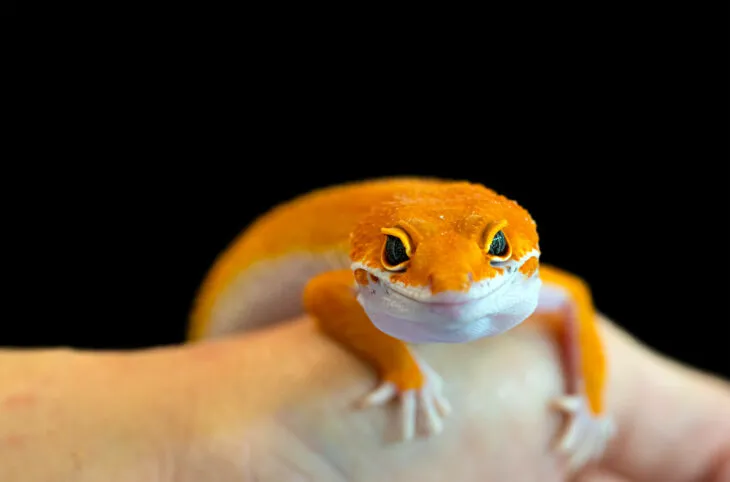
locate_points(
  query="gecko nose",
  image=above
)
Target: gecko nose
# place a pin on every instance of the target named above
(441, 282)
(449, 262)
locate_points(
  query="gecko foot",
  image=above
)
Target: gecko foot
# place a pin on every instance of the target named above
(424, 407)
(585, 436)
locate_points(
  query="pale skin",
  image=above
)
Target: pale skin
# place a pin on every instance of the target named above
(277, 405)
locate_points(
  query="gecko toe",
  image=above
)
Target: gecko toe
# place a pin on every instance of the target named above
(385, 392)
(568, 403)
(421, 409)
(442, 404)
(431, 418)
(582, 453)
(408, 414)
(585, 436)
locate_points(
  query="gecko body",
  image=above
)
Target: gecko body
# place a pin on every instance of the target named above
(381, 265)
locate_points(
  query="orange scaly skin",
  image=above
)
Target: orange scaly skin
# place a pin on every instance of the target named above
(319, 222)
(384, 264)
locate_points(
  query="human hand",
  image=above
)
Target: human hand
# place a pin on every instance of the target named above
(278, 406)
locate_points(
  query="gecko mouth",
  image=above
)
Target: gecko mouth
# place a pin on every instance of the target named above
(450, 300)
(490, 309)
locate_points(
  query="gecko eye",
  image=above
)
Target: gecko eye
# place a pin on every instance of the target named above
(499, 246)
(394, 253)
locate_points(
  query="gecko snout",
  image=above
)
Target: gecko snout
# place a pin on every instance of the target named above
(450, 281)
(450, 263)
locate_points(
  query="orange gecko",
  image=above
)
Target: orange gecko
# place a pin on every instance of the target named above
(383, 264)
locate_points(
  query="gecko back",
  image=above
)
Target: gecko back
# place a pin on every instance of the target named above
(259, 278)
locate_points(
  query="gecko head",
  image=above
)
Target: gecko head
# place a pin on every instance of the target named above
(452, 264)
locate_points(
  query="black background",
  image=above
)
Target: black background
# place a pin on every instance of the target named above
(614, 135)
(651, 244)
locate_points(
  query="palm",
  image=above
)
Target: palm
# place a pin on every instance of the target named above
(278, 406)
(501, 426)
(499, 429)
(292, 415)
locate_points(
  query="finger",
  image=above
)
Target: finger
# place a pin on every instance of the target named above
(673, 421)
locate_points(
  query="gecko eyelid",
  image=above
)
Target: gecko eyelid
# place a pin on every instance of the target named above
(497, 245)
(396, 252)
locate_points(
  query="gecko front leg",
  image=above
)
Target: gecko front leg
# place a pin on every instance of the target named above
(589, 427)
(330, 299)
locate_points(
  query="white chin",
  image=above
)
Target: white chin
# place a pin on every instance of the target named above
(418, 322)
(415, 332)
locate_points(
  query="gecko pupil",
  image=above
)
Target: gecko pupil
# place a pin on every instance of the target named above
(395, 251)
(499, 245)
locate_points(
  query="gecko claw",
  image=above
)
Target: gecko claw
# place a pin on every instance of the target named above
(421, 410)
(585, 436)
